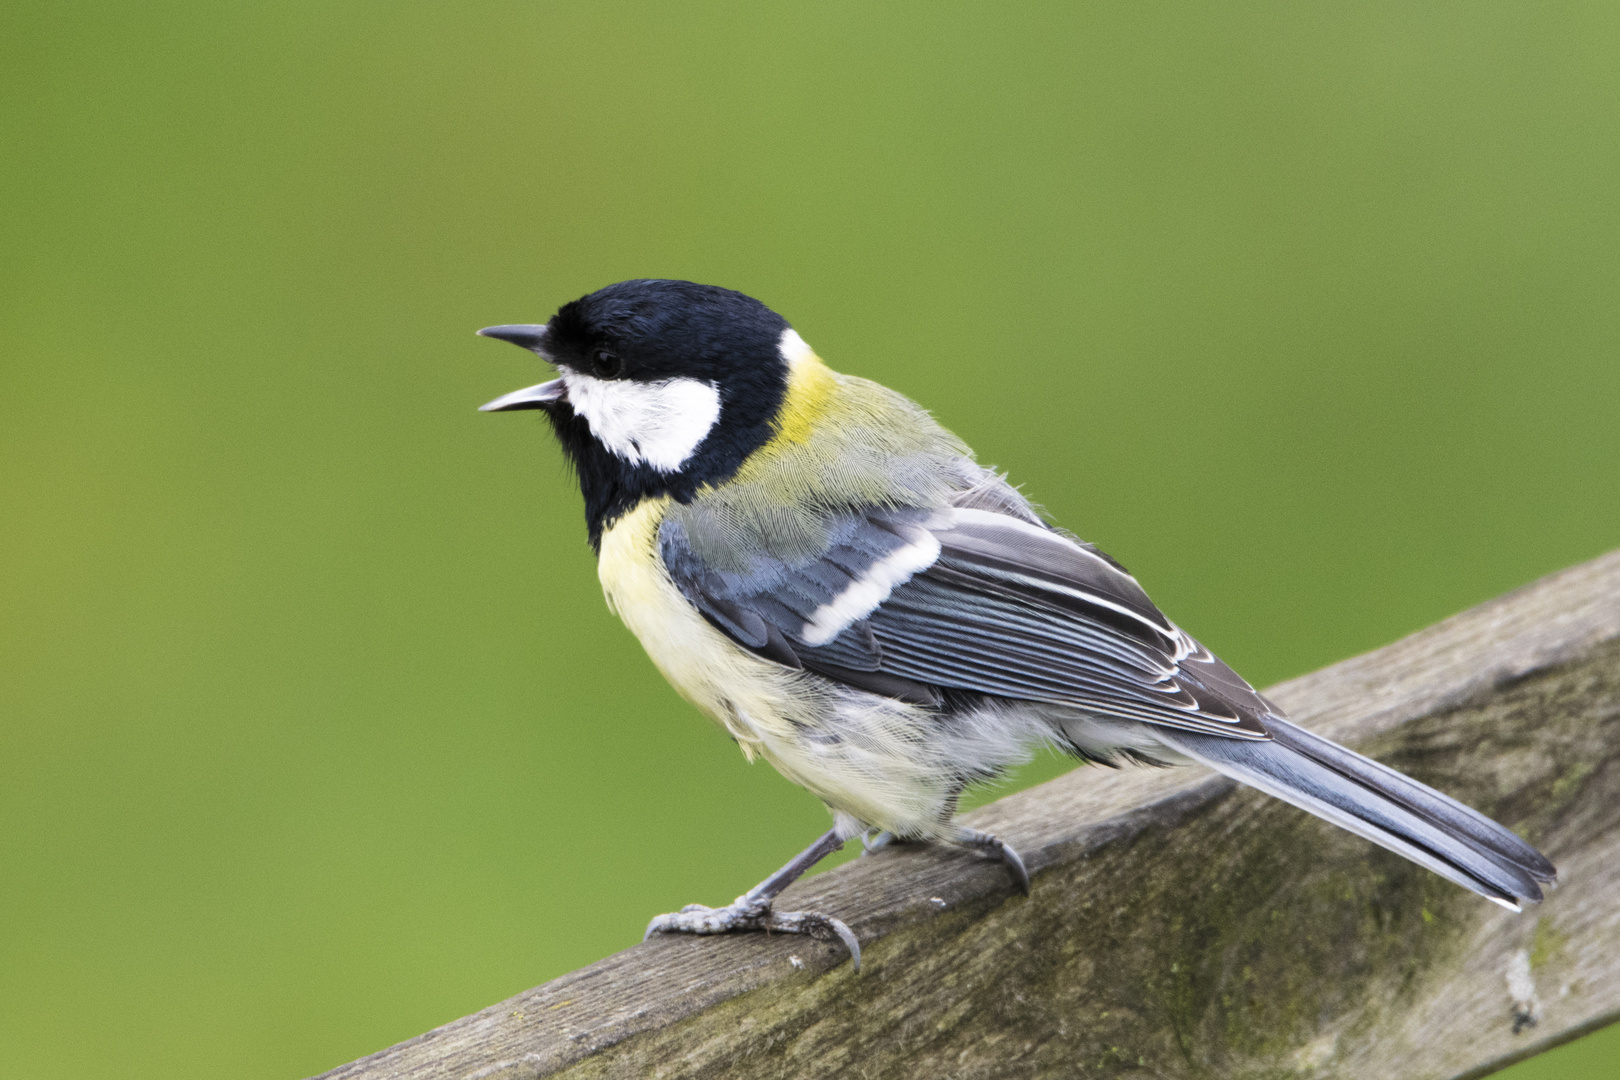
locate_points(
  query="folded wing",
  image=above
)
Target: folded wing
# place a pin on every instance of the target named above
(912, 603)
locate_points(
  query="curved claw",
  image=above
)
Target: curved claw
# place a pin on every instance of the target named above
(1016, 865)
(851, 942)
(819, 926)
(991, 842)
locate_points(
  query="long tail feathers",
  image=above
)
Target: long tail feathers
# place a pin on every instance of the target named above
(1380, 804)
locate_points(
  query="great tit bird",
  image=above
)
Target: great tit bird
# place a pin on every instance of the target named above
(830, 575)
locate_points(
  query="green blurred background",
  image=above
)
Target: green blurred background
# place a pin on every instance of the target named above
(314, 732)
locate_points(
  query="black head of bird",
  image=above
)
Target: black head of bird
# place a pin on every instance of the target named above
(663, 387)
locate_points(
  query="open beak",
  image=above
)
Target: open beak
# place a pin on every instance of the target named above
(543, 396)
(531, 336)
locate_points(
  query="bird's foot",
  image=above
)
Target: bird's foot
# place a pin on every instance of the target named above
(998, 847)
(750, 913)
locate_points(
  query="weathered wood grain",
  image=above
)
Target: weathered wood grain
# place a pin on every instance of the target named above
(1180, 926)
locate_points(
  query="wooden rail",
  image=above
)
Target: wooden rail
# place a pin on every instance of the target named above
(1180, 926)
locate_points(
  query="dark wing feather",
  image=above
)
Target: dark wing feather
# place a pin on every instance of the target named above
(1005, 608)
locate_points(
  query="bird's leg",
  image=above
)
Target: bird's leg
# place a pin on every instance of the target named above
(752, 910)
(984, 841)
(965, 837)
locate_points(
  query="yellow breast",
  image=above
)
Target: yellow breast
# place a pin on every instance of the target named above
(863, 758)
(703, 665)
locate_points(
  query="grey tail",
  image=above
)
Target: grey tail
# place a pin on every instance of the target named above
(1380, 804)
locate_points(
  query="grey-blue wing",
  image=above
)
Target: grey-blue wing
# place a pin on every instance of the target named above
(914, 604)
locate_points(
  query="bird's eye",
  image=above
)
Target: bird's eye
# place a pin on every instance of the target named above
(606, 365)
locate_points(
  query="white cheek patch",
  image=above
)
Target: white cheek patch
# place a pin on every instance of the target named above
(659, 424)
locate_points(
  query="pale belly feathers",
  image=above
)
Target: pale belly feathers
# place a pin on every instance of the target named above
(874, 761)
